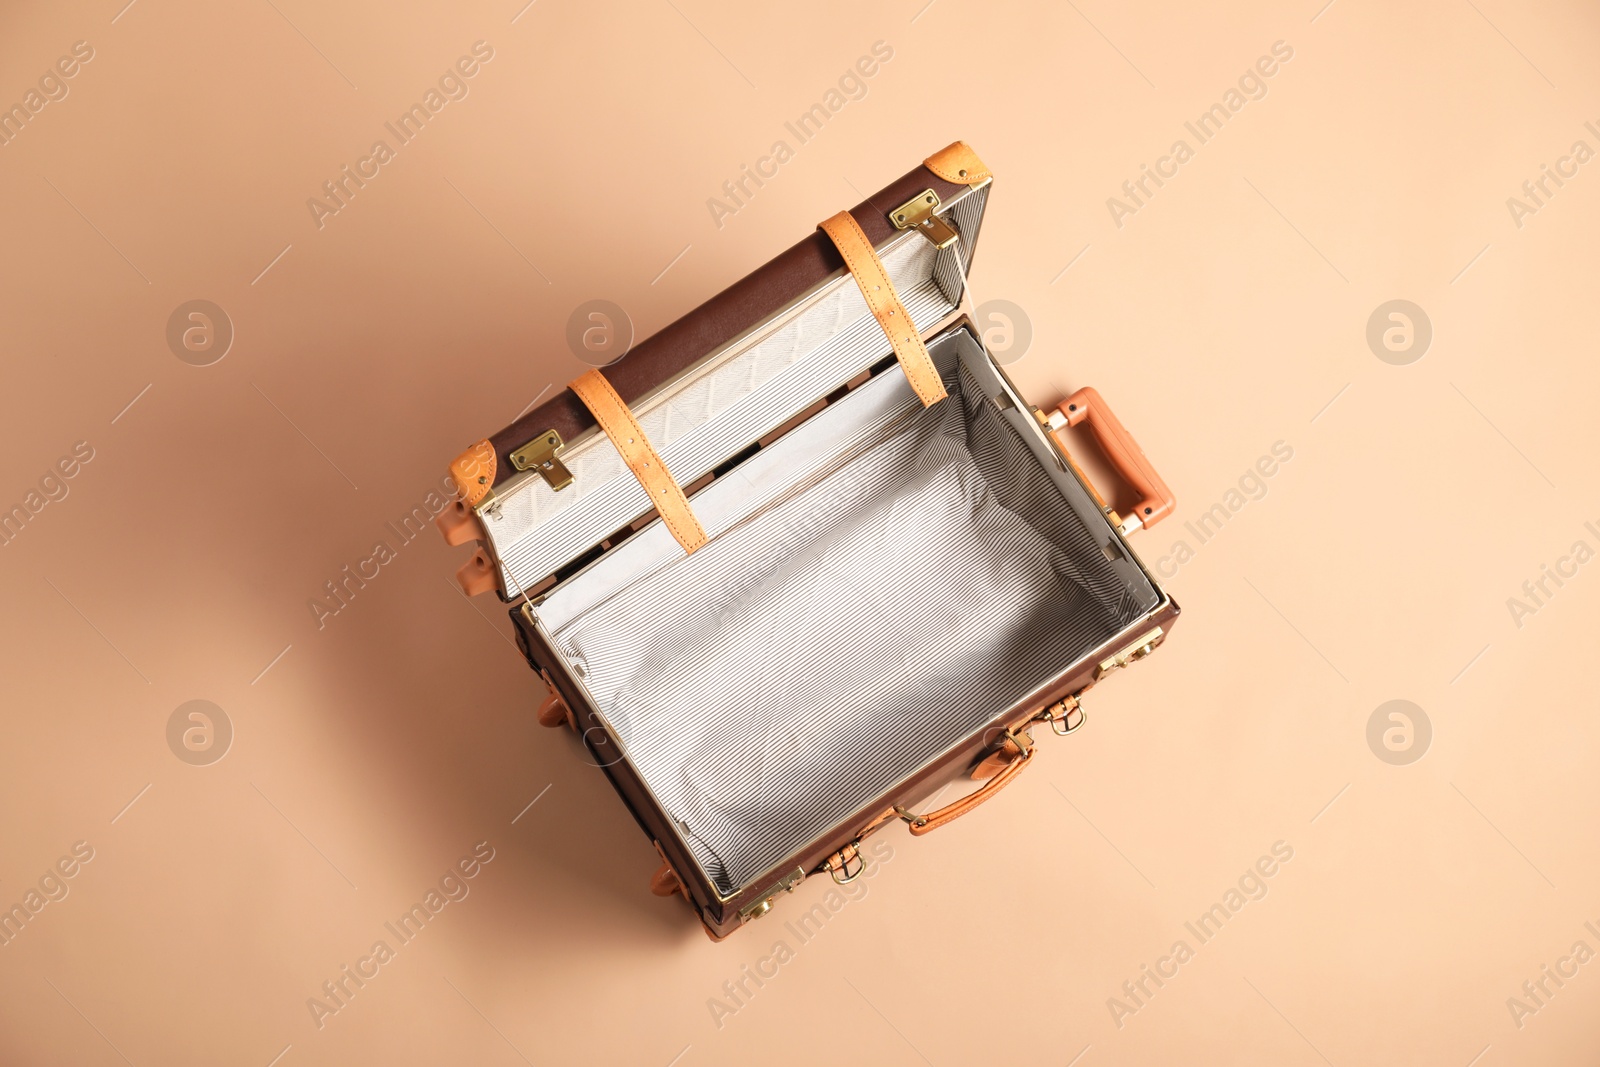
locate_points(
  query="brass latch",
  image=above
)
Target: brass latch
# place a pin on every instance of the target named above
(920, 214)
(1138, 650)
(786, 884)
(539, 455)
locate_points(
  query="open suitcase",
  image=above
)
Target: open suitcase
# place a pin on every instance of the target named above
(871, 569)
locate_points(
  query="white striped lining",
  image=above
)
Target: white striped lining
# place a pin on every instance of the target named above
(832, 638)
(533, 530)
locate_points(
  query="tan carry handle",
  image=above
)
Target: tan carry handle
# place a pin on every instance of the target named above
(1155, 499)
(612, 413)
(926, 824)
(1065, 716)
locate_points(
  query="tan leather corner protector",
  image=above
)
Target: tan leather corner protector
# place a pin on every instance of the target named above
(458, 524)
(553, 712)
(473, 472)
(477, 574)
(958, 164)
(865, 267)
(623, 429)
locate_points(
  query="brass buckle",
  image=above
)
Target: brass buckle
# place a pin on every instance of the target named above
(1059, 715)
(854, 850)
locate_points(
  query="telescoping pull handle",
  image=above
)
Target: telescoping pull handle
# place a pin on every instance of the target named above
(1155, 499)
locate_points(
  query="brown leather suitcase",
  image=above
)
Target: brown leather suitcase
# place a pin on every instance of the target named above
(805, 556)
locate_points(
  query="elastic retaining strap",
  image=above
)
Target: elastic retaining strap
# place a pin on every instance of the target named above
(867, 269)
(623, 429)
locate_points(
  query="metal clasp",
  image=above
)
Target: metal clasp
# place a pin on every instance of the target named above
(920, 213)
(539, 455)
(1060, 716)
(1138, 650)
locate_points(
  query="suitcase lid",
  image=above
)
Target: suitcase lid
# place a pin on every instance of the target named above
(550, 487)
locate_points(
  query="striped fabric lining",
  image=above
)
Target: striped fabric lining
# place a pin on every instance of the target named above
(535, 529)
(812, 656)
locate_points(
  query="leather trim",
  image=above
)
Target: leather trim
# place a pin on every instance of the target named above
(959, 164)
(629, 440)
(473, 472)
(867, 269)
(752, 299)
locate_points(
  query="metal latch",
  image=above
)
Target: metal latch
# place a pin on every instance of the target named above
(539, 455)
(1138, 650)
(920, 214)
(786, 884)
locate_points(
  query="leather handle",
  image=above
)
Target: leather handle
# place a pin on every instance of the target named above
(925, 824)
(1155, 499)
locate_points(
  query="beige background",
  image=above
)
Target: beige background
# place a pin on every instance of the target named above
(1226, 314)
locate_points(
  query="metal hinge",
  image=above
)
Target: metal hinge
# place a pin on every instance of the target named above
(786, 884)
(1138, 650)
(539, 455)
(920, 214)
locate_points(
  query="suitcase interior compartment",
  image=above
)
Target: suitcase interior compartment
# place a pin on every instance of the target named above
(734, 396)
(879, 584)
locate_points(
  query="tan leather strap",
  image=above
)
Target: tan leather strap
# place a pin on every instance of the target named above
(958, 164)
(623, 429)
(863, 263)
